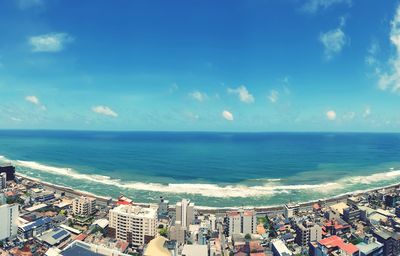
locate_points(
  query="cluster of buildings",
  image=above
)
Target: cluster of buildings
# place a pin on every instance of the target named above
(43, 219)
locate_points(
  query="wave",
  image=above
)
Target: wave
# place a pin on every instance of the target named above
(269, 188)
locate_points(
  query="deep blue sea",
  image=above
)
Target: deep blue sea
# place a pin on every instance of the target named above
(212, 169)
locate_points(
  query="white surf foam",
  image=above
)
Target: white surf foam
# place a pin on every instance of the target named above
(271, 187)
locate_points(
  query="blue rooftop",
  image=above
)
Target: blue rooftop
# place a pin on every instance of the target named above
(79, 250)
(36, 223)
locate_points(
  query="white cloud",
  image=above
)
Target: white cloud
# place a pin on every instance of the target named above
(391, 80)
(104, 110)
(199, 96)
(273, 96)
(227, 115)
(331, 115)
(53, 42)
(312, 6)
(333, 41)
(16, 119)
(243, 94)
(367, 112)
(373, 50)
(35, 100)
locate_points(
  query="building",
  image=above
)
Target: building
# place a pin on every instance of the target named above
(10, 172)
(134, 224)
(54, 237)
(391, 200)
(184, 211)
(351, 215)
(163, 206)
(370, 247)
(34, 228)
(82, 248)
(177, 233)
(241, 222)
(43, 196)
(307, 232)
(279, 248)
(390, 241)
(334, 245)
(84, 206)
(291, 210)
(194, 250)
(8, 217)
(3, 180)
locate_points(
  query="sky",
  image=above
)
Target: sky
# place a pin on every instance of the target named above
(227, 65)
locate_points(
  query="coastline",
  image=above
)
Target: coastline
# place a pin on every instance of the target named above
(69, 191)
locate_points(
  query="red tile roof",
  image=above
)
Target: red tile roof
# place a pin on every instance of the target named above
(335, 241)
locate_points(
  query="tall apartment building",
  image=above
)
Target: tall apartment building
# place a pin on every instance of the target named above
(307, 232)
(134, 224)
(184, 211)
(3, 180)
(84, 206)
(241, 222)
(8, 220)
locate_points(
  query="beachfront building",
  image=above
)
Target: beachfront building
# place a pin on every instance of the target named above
(163, 206)
(84, 206)
(134, 224)
(185, 212)
(9, 171)
(307, 232)
(8, 220)
(291, 210)
(241, 222)
(3, 180)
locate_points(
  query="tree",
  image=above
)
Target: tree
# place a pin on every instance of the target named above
(163, 232)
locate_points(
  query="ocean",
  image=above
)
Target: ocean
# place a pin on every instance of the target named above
(212, 169)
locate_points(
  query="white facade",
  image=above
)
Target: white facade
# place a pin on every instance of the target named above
(184, 212)
(291, 210)
(83, 206)
(133, 223)
(8, 220)
(242, 222)
(3, 180)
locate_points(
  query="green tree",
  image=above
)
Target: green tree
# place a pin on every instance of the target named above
(163, 232)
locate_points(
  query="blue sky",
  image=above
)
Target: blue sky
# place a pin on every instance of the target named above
(228, 65)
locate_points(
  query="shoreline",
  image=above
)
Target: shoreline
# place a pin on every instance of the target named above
(69, 191)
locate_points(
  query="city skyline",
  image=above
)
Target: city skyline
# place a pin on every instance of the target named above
(314, 65)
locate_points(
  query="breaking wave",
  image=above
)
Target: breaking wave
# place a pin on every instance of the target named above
(270, 187)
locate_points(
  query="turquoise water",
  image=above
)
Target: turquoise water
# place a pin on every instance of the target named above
(213, 169)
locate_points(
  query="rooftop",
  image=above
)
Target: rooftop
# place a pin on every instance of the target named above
(335, 241)
(136, 210)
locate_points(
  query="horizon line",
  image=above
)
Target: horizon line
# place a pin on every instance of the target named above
(194, 131)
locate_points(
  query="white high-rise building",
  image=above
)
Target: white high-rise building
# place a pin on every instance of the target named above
(134, 224)
(8, 220)
(242, 222)
(3, 180)
(84, 206)
(184, 211)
